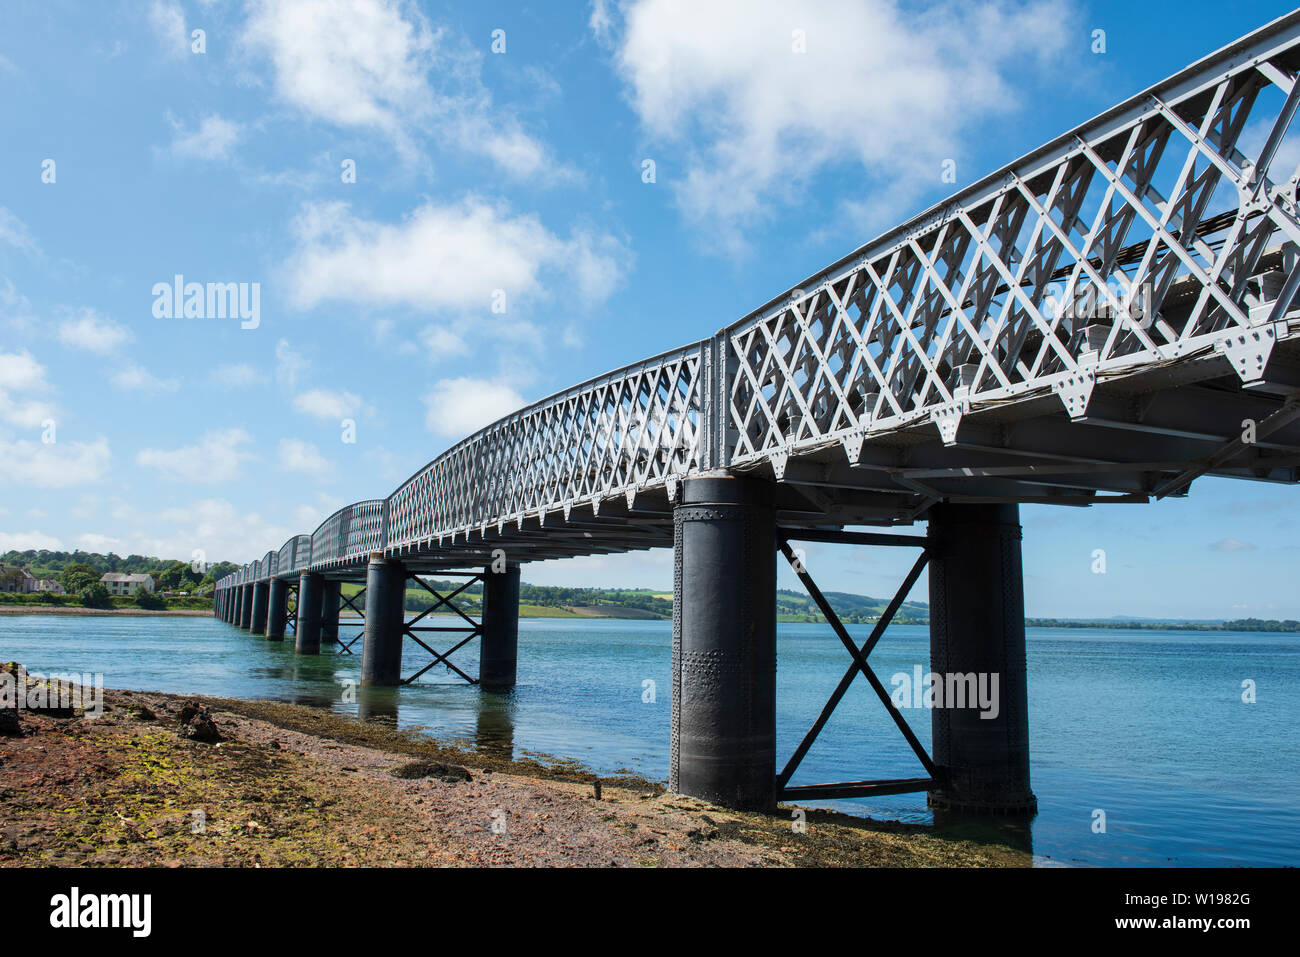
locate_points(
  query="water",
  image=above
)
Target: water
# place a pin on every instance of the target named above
(1147, 726)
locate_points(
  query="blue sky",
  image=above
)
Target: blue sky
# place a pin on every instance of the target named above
(524, 171)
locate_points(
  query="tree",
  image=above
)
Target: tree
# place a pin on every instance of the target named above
(147, 599)
(94, 595)
(77, 576)
(171, 577)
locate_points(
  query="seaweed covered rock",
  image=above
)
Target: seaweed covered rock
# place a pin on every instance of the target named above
(448, 773)
(197, 724)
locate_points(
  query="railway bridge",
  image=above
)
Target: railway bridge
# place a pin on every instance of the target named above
(1101, 322)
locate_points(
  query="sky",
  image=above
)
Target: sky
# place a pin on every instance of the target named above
(439, 212)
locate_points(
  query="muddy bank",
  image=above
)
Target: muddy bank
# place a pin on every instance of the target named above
(290, 785)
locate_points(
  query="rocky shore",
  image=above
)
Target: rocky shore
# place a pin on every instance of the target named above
(164, 780)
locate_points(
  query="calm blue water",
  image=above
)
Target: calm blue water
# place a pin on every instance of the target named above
(1147, 726)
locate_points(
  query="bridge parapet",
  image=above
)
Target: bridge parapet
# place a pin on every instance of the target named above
(350, 534)
(629, 429)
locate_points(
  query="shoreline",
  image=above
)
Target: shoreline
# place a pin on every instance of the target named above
(124, 612)
(291, 785)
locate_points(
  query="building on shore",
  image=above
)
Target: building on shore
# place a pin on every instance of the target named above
(14, 579)
(51, 586)
(119, 583)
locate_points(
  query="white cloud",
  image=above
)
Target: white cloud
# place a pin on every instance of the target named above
(30, 464)
(14, 232)
(236, 375)
(371, 64)
(299, 456)
(219, 529)
(136, 378)
(23, 541)
(168, 22)
(442, 343)
(289, 363)
(1231, 545)
(93, 333)
(889, 91)
(214, 140)
(103, 544)
(324, 404)
(452, 257)
(456, 408)
(216, 458)
(20, 376)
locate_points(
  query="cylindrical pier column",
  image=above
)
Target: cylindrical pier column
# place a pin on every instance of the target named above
(724, 641)
(329, 613)
(236, 603)
(246, 610)
(381, 651)
(499, 640)
(307, 635)
(260, 590)
(277, 603)
(977, 649)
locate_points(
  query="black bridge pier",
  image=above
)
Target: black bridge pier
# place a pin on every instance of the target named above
(724, 641)
(977, 625)
(246, 608)
(277, 603)
(381, 651)
(499, 637)
(306, 639)
(329, 612)
(260, 590)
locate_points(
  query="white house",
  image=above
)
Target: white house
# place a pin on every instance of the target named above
(119, 583)
(50, 585)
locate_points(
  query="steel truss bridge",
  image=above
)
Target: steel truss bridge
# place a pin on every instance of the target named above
(1104, 320)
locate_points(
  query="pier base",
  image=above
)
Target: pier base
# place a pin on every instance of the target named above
(259, 608)
(977, 626)
(329, 613)
(306, 639)
(246, 608)
(499, 640)
(277, 603)
(381, 651)
(724, 642)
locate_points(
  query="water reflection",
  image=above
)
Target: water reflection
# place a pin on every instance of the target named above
(378, 705)
(494, 730)
(1009, 831)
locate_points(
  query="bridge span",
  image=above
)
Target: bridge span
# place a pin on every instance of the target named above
(1103, 321)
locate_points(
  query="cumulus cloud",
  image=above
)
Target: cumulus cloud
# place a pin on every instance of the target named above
(372, 64)
(324, 404)
(445, 257)
(136, 378)
(296, 455)
(168, 22)
(23, 541)
(216, 458)
(30, 464)
(21, 376)
(14, 232)
(214, 140)
(881, 90)
(90, 331)
(455, 408)
(236, 375)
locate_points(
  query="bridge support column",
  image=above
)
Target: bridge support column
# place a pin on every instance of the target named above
(381, 650)
(724, 642)
(306, 639)
(236, 603)
(277, 603)
(260, 590)
(499, 641)
(329, 613)
(977, 625)
(246, 608)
